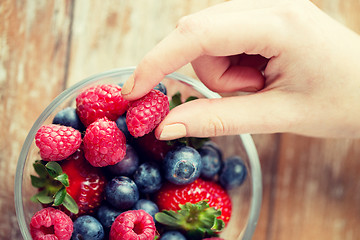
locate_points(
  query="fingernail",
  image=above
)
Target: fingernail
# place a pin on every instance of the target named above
(173, 131)
(128, 85)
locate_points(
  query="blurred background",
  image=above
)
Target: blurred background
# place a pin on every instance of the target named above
(311, 186)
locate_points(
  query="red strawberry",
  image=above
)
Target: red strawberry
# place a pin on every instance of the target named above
(133, 225)
(57, 142)
(50, 223)
(170, 196)
(146, 113)
(104, 143)
(100, 101)
(152, 148)
(86, 183)
(75, 187)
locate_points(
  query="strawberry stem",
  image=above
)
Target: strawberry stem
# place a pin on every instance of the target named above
(52, 183)
(199, 220)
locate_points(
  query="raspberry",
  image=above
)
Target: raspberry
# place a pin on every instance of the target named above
(104, 143)
(100, 101)
(146, 113)
(50, 223)
(57, 142)
(133, 225)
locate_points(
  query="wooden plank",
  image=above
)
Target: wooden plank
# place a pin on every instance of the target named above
(317, 192)
(112, 34)
(33, 48)
(316, 195)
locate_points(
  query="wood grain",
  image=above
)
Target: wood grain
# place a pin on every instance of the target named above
(311, 188)
(33, 55)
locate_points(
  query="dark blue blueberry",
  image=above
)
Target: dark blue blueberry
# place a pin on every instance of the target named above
(68, 117)
(106, 215)
(87, 227)
(172, 235)
(148, 177)
(182, 165)
(121, 124)
(128, 165)
(233, 173)
(213, 145)
(148, 206)
(121, 193)
(211, 162)
(161, 87)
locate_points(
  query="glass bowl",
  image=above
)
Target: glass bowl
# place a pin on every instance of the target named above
(246, 199)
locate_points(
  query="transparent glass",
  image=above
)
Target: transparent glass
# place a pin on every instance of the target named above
(246, 199)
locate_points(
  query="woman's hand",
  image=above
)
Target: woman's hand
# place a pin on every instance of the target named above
(301, 66)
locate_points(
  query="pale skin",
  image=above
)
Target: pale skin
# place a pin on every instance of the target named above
(300, 66)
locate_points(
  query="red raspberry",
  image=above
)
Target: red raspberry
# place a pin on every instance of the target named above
(57, 142)
(100, 101)
(146, 113)
(104, 143)
(50, 223)
(133, 225)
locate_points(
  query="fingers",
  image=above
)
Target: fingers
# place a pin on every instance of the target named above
(219, 75)
(257, 113)
(254, 32)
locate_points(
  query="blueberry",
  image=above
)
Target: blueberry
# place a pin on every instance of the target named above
(233, 173)
(211, 162)
(87, 227)
(213, 145)
(148, 206)
(172, 235)
(128, 165)
(68, 117)
(121, 193)
(106, 215)
(182, 165)
(161, 87)
(121, 124)
(148, 177)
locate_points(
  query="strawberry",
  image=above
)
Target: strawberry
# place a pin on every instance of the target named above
(133, 224)
(100, 101)
(170, 196)
(146, 113)
(104, 143)
(57, 142)
(86, 183)
(74, 186)
(151, 148)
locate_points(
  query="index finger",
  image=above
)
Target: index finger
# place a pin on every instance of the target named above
(253, 32)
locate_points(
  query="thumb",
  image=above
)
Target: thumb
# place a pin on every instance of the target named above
(263, 112)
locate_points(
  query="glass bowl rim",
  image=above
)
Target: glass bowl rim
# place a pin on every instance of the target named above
(247, 141)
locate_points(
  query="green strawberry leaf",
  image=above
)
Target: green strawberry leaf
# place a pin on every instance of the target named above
(40, 169)
(54, 169)
(191, 98)
(42, 197)
(175, 100)
(197, 142)
(199, 220)
(60, 196)
(70, 204)
(37, 182)
(63, 178)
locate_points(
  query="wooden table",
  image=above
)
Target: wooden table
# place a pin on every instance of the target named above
(311, 186)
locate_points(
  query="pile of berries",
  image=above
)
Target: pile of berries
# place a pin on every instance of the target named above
(104, 175)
